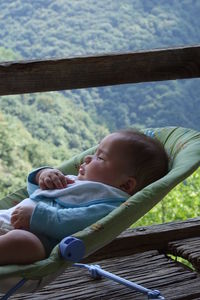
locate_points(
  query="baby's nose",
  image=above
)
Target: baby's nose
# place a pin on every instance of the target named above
(88, 159)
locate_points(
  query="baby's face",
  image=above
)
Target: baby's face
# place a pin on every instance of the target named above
(106, 164)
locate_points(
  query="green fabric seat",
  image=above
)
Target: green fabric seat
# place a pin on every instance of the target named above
(183, 148)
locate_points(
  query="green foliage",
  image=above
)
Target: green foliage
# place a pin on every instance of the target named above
(8, 54)
(19, 153)
(182, 261)
(180, 204)
(32, 135)
(54, 119)
(57, 28)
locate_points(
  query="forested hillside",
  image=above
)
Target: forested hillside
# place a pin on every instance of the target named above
(35, 132)
(57, 28)
(47, 128)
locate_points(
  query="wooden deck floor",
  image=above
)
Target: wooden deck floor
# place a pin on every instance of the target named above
(150, 268)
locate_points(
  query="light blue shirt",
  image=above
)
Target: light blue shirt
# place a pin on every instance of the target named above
(62, 212)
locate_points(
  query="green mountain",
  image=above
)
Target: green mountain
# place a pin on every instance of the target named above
(56, 28)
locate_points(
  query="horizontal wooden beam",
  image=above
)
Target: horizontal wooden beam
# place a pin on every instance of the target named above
(156, 237)
(103, 70)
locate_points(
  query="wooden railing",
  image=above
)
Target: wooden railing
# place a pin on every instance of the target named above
(102, 70)
(157, 237)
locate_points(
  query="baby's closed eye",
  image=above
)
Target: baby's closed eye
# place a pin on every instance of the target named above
(100, 158)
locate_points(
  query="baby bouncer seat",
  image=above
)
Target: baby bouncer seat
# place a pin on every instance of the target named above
(183, 148)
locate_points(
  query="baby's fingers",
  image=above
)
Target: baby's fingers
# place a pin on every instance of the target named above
(46, 183)
(59, 180)
(70, 180)
(64, 180)
(14, 218)
(53, 179)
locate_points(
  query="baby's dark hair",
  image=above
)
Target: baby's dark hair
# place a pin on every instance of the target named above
(146, 157)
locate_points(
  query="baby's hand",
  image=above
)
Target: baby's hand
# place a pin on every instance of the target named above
(52, 179)
(21, 216)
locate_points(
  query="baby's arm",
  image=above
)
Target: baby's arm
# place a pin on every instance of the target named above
(46, 179)
(59, 223)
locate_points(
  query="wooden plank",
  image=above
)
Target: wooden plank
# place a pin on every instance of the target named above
(147, 238)
(150, 269)
(102, 70)
(188, 249)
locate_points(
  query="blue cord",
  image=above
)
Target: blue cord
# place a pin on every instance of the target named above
(14, 289)
(97, 272)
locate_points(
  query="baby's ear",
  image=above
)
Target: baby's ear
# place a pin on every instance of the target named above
(129, 185)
